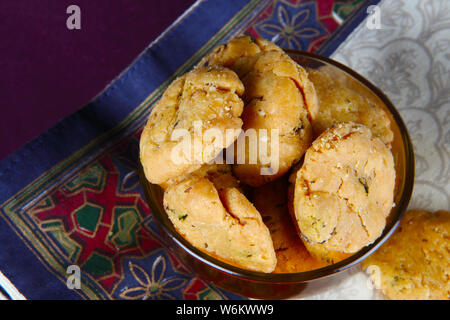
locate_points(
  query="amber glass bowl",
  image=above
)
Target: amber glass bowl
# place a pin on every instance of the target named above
(282, 285)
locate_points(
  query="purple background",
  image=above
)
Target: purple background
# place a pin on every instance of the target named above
(49, 72)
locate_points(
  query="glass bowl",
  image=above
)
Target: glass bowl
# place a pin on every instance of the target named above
(283, 285)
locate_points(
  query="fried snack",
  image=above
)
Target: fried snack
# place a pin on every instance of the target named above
(220, 175)
(292, 256)
(325, 256)
(278, 96)
(344, 190)
(220, 221)
(343, 100)
(414, 263)
(203, 99)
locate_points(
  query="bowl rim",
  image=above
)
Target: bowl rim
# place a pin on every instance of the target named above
(310, 275)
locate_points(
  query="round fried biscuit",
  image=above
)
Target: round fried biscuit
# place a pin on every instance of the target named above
(279, 100)
(344, 101)
(220, 221)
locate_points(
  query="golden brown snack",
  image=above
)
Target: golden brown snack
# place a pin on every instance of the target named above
(278, 96)
(414, 263)
(220, 221)
(326, 256)
(344, 190)
(226, 55)
(292, 256)
(342, 100)
(194, 105)
(219, 174)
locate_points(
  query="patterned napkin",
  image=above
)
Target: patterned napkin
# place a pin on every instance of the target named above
(71, 198)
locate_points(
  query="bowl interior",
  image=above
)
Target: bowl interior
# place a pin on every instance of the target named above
(404, 166)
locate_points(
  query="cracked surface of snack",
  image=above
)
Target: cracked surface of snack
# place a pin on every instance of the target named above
(344, 100)
(220, 221)
(324, 255)
(203, 99)
(344, 190)
(414, 263)
(292, 256)
(278, 96)
(220, 174)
